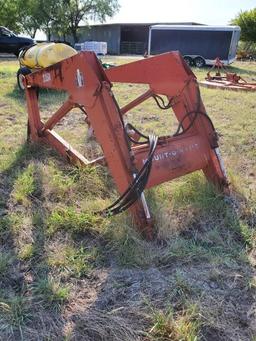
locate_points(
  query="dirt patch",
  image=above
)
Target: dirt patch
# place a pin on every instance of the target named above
(225, 302)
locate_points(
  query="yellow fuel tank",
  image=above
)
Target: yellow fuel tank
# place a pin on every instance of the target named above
(45, 54)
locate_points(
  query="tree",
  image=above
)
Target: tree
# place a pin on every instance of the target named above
(40, 14)
(59, 16)
(247, 21)
(73, 12)
(49, 11)
(29, 18)
(9, 15)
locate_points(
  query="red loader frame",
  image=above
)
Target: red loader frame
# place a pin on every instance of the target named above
(89, 87)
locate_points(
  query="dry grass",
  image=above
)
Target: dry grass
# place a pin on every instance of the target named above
(103, 326)
(65, 274)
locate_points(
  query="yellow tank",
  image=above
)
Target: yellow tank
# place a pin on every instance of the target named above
(46, 54)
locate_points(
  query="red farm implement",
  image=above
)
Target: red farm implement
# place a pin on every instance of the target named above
(226, 80)
(135, 161)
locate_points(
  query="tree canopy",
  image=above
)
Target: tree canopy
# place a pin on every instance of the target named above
(9, 15)
(73, 12)
(54, 16)
(247, 21)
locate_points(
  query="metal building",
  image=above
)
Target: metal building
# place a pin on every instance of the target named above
(122, 38)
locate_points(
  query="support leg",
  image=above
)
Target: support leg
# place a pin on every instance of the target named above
(34, 121)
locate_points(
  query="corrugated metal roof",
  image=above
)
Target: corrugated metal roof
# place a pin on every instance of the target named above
(196, 27)
(143, 24)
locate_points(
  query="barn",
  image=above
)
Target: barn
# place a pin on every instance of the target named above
(122, 38)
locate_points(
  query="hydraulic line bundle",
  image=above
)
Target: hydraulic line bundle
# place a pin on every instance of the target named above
(135, 161)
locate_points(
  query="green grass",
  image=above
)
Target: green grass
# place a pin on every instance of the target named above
(73, 220)
(76, 262)
(5, 262)
(24, 186)
(14, 313)
(26, 252)
(51, 293)
(183, 326)
(57, 255)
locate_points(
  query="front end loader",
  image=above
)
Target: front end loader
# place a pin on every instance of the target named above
(135, 161)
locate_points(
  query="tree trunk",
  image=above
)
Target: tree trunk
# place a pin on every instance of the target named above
(49, 35)
(74, 34)
(34, 33)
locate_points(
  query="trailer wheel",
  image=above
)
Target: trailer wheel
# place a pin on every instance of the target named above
(199, 62)
(189, 60)
(21, 73)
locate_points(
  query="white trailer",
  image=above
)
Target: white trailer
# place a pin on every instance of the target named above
(199, 44)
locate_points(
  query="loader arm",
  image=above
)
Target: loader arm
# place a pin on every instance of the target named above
(169, 75)
(88, 85)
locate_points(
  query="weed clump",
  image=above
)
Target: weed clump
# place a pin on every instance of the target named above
(71, 220)
(51, 293)
(14, 313)
(75, 262)
(180, 326)
(25, 186)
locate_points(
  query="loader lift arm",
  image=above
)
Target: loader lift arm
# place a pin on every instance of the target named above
(193, 147)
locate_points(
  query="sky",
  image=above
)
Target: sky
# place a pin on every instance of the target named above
(209, 12)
